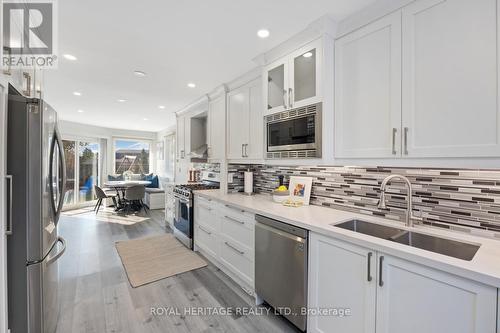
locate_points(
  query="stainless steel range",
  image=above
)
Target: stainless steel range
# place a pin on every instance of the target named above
(183, 212)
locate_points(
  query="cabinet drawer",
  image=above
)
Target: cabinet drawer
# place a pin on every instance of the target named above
(206, 239)
(238, 258)
(206, 216)
(239, 214)
(239, 229)
(202, 201)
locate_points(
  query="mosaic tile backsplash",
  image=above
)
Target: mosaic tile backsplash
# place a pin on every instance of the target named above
(458, 199)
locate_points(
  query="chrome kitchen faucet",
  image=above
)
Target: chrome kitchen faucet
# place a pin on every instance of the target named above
(409, 212)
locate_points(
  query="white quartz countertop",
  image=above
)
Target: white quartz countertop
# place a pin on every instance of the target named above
(484, 267)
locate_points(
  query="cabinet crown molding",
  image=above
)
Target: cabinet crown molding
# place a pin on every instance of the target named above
(217, 92)
(199, 104)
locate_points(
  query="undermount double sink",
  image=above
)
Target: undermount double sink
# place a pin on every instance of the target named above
(448, 247)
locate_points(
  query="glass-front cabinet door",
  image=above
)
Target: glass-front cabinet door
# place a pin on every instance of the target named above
(277, 86)
(295, 80)
(305, 75)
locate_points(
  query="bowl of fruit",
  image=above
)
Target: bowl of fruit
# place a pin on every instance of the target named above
(281, 194)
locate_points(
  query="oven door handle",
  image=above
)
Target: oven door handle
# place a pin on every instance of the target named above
(183, 200)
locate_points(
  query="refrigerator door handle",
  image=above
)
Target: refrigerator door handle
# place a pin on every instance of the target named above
(8, 231)
(60, 253)
(57, 207)
(62, 161)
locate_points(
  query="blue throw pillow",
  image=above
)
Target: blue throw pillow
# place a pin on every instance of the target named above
(154, 181)
(115, 178)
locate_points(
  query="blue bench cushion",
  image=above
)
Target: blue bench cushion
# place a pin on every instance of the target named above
(155, 183)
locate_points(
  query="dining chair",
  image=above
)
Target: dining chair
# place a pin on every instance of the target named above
(134, 196)
(101, 195)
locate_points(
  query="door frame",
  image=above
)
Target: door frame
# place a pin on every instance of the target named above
(77, 139)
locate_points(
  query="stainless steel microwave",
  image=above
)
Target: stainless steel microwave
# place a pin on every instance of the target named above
(294, 133)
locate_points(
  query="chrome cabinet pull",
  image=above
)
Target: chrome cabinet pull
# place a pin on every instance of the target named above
(369, 268)
(204, 230)
(242, 153)
(406, 140)
(234, 220)
(8, 231)
(394, 132)
(234, 248)
(230, 207)
(284, 99)
(246, 146)
(290, 99)
(380, 281)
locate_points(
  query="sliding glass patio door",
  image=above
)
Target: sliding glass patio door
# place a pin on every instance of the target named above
(82, 171)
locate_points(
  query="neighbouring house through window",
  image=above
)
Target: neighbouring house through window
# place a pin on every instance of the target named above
(132, 155)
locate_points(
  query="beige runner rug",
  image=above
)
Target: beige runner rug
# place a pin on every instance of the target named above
(151, 259)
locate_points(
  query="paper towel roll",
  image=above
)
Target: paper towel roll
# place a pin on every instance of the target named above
(248, 182)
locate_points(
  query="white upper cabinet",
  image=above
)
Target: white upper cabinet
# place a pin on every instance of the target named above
(421, 82)
(255, 147)
(412, 298)
(276, 82)
(305, 75)
(217, 128)
(238, 117)
(294, 80)
(245, 124)
(181, 137)
(450, 78)
(368, 90)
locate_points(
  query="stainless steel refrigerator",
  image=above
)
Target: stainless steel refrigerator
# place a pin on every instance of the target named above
(36, 182)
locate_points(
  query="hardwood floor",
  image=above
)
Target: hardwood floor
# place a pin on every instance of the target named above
(96, 295)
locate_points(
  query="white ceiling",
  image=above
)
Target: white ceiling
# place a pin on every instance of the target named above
(174, 42)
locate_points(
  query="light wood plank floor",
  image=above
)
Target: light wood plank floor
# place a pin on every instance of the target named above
(97, 297)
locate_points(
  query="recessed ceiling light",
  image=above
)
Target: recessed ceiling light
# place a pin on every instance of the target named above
(263, 33)
(145, 119)
(140, 73)
(307, 55)
(121, 100)
(80, 111)
(161, 107)
(69, 57)
(191, 85)
(77, 93)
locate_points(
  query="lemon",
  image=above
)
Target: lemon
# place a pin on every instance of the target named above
(282, 188)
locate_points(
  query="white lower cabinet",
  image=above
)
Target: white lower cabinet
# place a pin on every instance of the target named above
(385, 294)
(339, 277)
(226, 235)
(415, 298)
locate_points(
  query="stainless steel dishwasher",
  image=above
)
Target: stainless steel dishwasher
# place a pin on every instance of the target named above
(281, 268)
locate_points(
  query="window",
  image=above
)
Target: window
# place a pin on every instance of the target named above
(131, 155)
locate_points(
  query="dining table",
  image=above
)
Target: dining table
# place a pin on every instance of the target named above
(120, 187)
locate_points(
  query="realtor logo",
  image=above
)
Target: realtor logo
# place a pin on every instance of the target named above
(29, 34)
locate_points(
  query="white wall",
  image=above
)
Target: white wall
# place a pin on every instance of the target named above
(76, 130)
